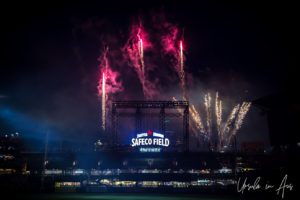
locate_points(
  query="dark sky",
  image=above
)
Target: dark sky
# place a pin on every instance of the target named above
(49, 50)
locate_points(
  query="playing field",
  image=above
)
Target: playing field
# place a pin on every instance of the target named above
(127, 197)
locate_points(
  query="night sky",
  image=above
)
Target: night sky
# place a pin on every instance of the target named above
(50, 69)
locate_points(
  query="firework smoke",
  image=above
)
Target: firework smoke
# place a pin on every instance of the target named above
(194, 131)
(169, 41)
(239, 120)
(112, 83)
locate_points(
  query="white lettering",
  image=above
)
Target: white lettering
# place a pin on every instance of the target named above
(167, 142)
(133, 144)
(150, 141)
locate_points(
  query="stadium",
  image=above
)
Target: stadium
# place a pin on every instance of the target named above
(156, 158)
(148, 100)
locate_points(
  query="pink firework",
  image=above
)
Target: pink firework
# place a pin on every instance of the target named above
(181, 57)
(181, 62)
(172, 44)
(112, 84)
(107, 84)
(141, 52)
(103, 101)
(134, 49)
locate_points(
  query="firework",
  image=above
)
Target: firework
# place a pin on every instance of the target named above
(181, 71)
(207, 103)
(242, 113)
(239, 120)
(103, 102)
(108, 84)
(196, 117)
(141, 55)
(174, 47)
(134, 49)
(218, 110)
(141, 52)
(178, 109)
(229, 121)
(181, 58)
(104, 74)
(234, 120)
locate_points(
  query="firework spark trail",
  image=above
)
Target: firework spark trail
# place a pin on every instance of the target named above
(229, 121)
(196, 116)
(104, 89)
(242, 113)
(181, 71)
(218, 110)
(141, 55)
(181, 59)
(220, 114)
(178, 109)
(103, 102)
(141, 52)
(207, 103)
(185, 95)
(134, 49)
(239, 120)
(107, 85)
(171, 47)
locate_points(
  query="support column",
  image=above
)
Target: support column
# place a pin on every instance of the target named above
(115, 125)
(186, 129)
